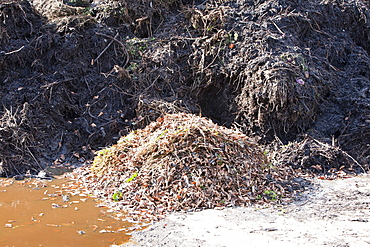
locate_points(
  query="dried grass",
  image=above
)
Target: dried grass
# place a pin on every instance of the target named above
(16, 142)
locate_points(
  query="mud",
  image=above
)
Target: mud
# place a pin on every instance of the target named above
(56, 212)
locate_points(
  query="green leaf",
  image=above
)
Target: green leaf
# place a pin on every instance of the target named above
(132, 177)
(160, 136)
(117, 195)
(271, 194)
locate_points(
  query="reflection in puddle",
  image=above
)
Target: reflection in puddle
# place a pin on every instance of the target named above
(55, 213)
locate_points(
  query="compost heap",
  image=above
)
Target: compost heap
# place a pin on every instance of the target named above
(75, 76)
(183, 162)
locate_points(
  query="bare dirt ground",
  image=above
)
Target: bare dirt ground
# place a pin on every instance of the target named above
(329, 213)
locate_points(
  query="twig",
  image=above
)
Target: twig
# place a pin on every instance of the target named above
(344, 152)
(120, 43)
(155, 80)
(29, 151)
(353, 159)
(55, 83)
(120, 90)
(101, 53)
(278, 29)
(214, 59)
(11, 52)
(24, 17)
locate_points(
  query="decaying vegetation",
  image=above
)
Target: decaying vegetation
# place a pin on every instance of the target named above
(185, 162)
(76, 76)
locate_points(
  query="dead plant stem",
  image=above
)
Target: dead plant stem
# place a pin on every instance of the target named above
(11, 52)
(344, 152)
(120, 43)
(102, 52)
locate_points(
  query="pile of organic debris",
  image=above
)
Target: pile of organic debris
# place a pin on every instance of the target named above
(183, 162)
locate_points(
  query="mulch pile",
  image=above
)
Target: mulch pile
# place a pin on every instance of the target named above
(76, 76)
(183, 162)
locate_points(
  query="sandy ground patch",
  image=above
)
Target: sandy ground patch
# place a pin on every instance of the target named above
(330, 213)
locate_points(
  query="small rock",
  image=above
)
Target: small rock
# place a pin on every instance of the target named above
(65, 198)
(44, 175)
(18, 177)
(54, 205)
(105, 231)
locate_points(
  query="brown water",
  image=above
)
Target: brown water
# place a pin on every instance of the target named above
(55, 213)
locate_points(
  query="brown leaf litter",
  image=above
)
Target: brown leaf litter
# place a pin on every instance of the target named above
(183, 162)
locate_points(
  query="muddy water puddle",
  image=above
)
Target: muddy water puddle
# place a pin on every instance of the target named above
(58, 212)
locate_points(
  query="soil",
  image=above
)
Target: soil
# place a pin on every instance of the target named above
(77, 75)
(293, 75)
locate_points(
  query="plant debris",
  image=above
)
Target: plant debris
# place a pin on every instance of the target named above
(311, 156)
(77, 75)
(183, 162)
